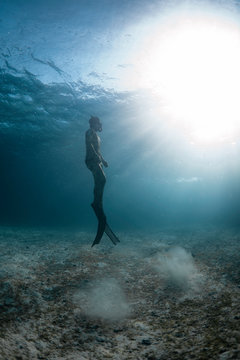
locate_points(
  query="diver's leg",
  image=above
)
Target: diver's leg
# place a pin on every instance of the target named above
(100, 230)
(97, 205)
(99, 183)
(102, 221)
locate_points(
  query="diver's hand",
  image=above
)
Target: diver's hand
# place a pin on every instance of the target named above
(105, 163)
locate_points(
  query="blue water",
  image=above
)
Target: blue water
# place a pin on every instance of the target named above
(44, 179)
(155, 177)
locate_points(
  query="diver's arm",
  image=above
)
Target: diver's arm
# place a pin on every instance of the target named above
(104, 162)
(98, 156)
(91, 140)
(91, 151)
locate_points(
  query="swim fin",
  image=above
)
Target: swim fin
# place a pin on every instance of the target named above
(101, 223)
(111, 235)
(100, 231)
(103, 227)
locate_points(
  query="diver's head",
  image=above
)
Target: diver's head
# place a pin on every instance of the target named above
(95, 123)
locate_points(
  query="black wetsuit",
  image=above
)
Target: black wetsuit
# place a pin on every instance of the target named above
(94, 163)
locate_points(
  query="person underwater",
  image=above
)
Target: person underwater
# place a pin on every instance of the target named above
(95, 162)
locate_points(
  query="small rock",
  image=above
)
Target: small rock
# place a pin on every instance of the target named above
(146, 342)
(178, 334)
(118, 330)
(99, 339)
(231, 354)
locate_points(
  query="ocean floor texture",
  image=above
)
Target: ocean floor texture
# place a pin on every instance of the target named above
(169, 295)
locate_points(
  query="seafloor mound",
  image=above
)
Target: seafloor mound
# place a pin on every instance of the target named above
(172, 295)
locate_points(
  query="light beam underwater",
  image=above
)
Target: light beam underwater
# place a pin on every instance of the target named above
(190, 64)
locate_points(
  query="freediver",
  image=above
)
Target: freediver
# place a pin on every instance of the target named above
(95, 163)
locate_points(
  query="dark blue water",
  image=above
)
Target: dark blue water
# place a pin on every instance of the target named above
(155, 177)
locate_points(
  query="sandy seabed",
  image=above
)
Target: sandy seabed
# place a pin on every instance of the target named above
(169, 295)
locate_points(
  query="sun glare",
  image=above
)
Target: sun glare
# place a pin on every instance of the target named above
(192, 65)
